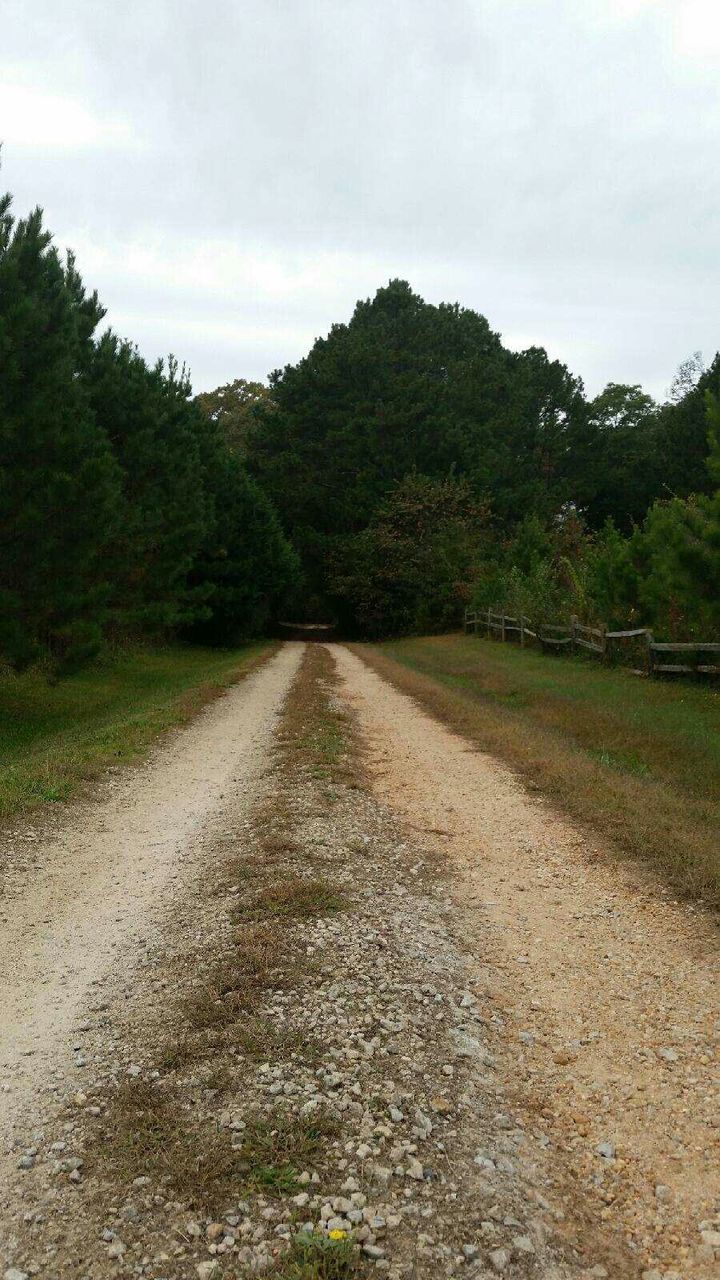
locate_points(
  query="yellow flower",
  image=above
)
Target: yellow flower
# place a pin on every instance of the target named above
(337, 1234)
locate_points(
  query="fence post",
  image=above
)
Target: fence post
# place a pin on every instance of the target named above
(573, 630)
(650, 658)
(502, 624)
(604, 641)
(522, 629)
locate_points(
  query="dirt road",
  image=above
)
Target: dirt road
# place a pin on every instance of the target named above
(604, 995)
(73, 922)
(511, 1040)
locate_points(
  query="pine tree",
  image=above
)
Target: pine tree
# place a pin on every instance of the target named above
(152, 426)
(407, 386)
(58, 481)
(245, 568)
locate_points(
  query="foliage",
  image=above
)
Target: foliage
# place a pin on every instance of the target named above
(123, 508)
(407, 464)
(245, 566)
(409, 387)
(153, 432)
(624, 458)
(234, 408)
(665, 574)
(682, 437)
(59, 483)
(410, 570)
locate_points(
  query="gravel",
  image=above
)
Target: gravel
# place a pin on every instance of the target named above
(429, 1168)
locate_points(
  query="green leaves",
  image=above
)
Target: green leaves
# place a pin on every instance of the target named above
(123, 508)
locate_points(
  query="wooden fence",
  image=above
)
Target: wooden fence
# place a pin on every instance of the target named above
(658, 657)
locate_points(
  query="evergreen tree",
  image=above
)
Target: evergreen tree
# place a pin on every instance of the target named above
(153, 429)
(682, 437)
(408, 386)
(58, 481)
(245, 568)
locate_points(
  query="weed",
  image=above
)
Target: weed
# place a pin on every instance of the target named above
(238, 980)
(622, 762)
(261, 1041)
(277, 844)
(147, 1135)
(277, 1147)
(316, 1257)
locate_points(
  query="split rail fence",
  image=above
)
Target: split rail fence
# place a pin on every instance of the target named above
(696, 657)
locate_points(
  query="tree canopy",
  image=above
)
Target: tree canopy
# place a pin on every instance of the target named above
(408, 463)
(408, 386)
(123, 508)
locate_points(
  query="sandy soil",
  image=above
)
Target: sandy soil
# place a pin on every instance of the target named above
(80, 911)
(600, 990)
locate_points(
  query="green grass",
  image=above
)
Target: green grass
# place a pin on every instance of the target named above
(315, 1257)
(277, 1146)
(638, 759)
(53, 737)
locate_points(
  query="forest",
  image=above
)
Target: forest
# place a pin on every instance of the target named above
(408, 465)
(418, 465)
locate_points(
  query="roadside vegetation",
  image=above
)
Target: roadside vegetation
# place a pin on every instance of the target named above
(57, 736)
(639, 761)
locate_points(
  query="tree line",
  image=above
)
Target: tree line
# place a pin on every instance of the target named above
(418, 465)
(123, 509)
(408, 465)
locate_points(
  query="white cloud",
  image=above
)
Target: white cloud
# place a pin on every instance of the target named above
(233, 177)
(696, 31)
(32, 117)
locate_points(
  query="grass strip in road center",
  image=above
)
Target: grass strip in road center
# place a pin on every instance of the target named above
(638, 762)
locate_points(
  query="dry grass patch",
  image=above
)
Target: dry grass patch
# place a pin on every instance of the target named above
(292, 898)
(320, 736)
(148, 1135)
(279, 844)
(260, 1041)
(261, 961)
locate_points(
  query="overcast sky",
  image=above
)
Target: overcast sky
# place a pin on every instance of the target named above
(234, 174)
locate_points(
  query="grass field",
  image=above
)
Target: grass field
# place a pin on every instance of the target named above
(54, 737)
(638, 760)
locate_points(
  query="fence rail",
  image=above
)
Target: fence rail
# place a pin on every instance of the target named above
(598, 640)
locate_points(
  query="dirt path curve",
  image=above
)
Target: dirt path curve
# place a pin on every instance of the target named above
(602, 993)
(97, 892)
